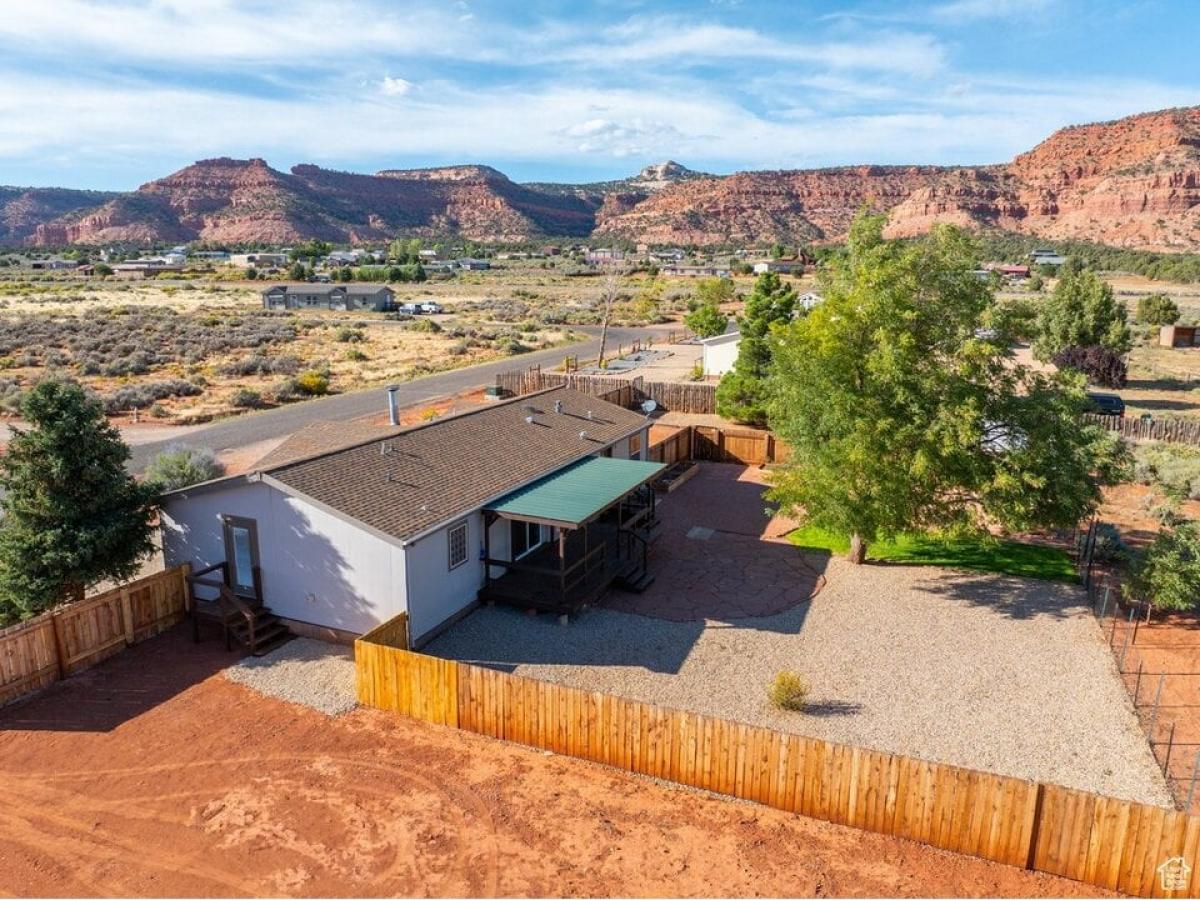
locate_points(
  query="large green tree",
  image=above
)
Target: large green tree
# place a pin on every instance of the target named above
(1167, 574)
(73, 516)
(705, 317)
(901, 417)
(742, 394)
(1082, 312)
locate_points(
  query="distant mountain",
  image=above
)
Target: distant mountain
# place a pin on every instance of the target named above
(1134, 182)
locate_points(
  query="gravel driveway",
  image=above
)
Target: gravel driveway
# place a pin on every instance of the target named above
(312, 673)
(1003, 674)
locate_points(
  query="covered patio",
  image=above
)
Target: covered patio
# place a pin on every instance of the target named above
(577, 532)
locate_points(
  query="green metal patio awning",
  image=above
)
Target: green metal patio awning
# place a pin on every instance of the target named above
(573, 495)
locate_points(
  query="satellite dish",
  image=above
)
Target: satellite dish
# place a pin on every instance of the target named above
(649, 406)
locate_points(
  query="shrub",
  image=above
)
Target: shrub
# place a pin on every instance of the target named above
(1168, 572)
(245, 398)
(788, 691)
(356, 355)
(347, 335)
(313, 382)
(1174, 467)
(179, 466)
(140, 396)
(287, 391)
(1157, 309)
(426, 325)
(1098, 364)
(1109, 547)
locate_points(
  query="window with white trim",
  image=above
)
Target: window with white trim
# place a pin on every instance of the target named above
(458, 543)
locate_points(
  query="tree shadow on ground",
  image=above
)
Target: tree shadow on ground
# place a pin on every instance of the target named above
(1007, 596)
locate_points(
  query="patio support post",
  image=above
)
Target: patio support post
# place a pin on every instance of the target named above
(562, 563)
(488, 519)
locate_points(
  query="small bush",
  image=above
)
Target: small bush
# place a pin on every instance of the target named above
(426, 325)
(1098, 364)
(179, 466)
(788, 691)
(245, 398)
(1157, 309)
(314, 383)
(356, 355)
(349, 335)
(1173, 467)
(1109, 546)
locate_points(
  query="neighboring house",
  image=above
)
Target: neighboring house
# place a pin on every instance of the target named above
(377, 297)
(345, 258)
(809, 299)
(786, 266)
(602, 255)
(210, 255)
(719, 353)
(1179, 336)
(1046, 258)
(540, 500)
(697, 271)
(258, 260)
(144, 268)
(472, 264)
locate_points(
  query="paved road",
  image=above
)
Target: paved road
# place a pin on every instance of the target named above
(242, 431)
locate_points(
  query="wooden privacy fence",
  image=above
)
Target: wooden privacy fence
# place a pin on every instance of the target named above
(1112, 843)
(674, 448)
(689, 397)
(36, 653)
(1177, 431)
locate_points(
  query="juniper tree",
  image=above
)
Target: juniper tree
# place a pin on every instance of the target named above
(742, 393)
(73, 515)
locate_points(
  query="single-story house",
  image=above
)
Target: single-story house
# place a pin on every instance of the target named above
(1046, 258)
(258, 260)
(697, 271)
(541, 500)
(377, 297)
(719, 353)
(144, 268)
(472, 265)
(53, 264)
(780, 266)
(1179, 336)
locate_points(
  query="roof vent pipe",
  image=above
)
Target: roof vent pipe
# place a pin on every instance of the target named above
(558, 406)
(393, 404)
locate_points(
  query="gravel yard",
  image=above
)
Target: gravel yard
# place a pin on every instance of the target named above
(312, 673)
(990, 672)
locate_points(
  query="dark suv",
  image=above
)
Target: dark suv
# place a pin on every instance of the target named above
(1106, 404)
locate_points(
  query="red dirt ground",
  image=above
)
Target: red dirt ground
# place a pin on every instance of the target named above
(152, 775)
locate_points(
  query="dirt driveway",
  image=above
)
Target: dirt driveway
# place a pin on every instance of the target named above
(154, 775)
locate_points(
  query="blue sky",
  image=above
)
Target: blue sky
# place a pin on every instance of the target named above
(111, 93)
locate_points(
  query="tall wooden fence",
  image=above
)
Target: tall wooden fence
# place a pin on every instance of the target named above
(1176, 431)
(1100, 840)
(36, 653)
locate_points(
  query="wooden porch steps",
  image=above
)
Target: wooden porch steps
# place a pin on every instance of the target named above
(638, 583)
(269, 632)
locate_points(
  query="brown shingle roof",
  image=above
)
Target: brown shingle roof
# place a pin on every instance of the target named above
(434, 472)
(317, 438)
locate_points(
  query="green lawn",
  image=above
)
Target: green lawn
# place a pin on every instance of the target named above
(979, 554)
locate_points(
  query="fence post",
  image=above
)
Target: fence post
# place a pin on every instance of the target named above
(1170, 744)
(60, 646)
(127, 615)
(1154, 715)
(1137, 685)
(1124, 650)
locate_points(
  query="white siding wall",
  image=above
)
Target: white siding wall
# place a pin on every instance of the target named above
(436, 592)
(719, 358)
(316, 567)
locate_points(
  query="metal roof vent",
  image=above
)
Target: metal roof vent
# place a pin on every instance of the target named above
(589, 415)
(583, 435)
(558, 406)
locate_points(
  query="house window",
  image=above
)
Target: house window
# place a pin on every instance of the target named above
(526, 537)
(458, 544)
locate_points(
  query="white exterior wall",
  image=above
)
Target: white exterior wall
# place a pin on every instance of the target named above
(718, 358)
(316, 567)
(436, 591)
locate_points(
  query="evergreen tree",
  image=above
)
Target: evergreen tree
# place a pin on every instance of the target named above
(1082, 312)
(73, 516)
(742, 393)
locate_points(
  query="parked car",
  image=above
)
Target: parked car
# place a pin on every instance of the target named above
(430, 308)
(1106, 404)
(410, 309)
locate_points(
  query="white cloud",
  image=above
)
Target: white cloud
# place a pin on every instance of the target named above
(394, 87)
(960, 11)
